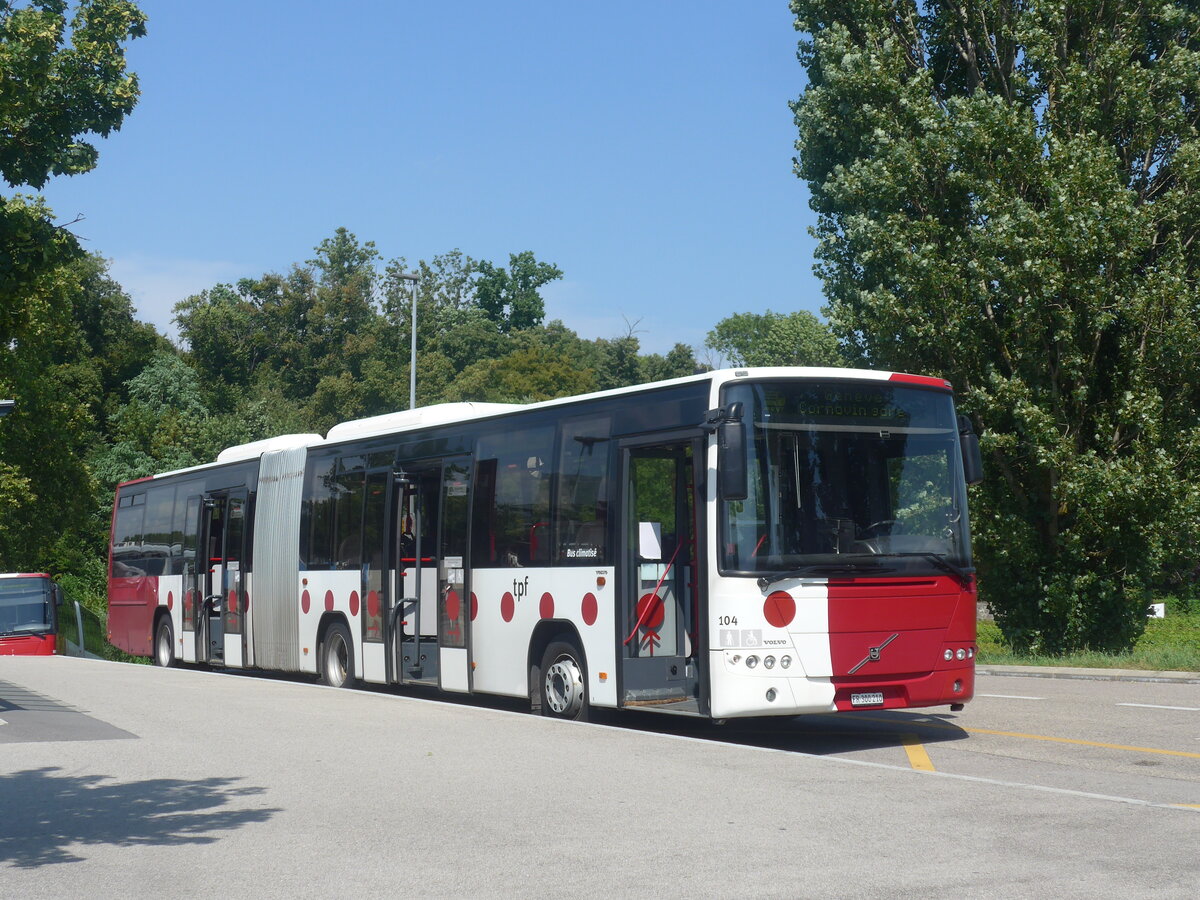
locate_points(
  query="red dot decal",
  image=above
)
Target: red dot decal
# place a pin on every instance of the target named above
(474, 606)
(354, 603)
(233, 602)
(373, 604)
(453, 606)
(245, 601)
(546, 608)
(779, 609)
(329, 601)
(187, 603)
(170, 600)
(508, 607)
(305, 602)
(591, 609)
(650, 611)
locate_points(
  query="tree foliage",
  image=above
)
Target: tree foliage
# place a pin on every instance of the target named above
(60, 80)
(775, 339)
(1007, 195)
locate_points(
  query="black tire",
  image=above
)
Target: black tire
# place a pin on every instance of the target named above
(164, 643)
(562, 682)
(337, 657)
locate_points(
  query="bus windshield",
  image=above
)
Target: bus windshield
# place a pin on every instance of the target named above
(845, 479)
(25, 606)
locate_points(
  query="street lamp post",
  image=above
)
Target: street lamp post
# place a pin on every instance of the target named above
(412, 359)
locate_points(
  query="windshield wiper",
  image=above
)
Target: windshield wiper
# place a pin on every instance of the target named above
(24, 629)
(819, 570)
(868, 564)
(939, 561)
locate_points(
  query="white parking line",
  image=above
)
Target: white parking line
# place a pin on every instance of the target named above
(1155, 706)
(1010, 697)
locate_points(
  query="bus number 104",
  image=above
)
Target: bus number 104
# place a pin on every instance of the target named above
(726, 620)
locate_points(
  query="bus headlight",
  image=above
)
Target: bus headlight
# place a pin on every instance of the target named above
(751, 662)
(960, 654)
(769, 662)
(786, 662)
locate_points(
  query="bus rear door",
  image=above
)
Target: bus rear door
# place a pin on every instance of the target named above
(221, 614)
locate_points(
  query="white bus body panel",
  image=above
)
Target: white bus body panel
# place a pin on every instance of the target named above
(512, 602)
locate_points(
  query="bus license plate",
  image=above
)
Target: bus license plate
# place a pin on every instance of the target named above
(875, 698)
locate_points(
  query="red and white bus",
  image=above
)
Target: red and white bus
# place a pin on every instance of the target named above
(29, 612)
(745, 542)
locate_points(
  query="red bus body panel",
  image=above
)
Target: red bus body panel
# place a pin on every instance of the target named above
(27, 645)
(132, 603)
(906, 625)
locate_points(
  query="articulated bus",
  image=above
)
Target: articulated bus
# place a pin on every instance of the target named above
(749, 542)
(29, 610)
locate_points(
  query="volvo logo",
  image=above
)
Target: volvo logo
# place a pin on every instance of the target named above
(874, 653)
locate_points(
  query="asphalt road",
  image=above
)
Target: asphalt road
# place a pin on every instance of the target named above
(126, 780)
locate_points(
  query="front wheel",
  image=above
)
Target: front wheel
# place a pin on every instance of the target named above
(564, 682)
(337, 657)
(164, 643)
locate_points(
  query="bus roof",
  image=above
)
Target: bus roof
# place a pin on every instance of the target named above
(443, 413)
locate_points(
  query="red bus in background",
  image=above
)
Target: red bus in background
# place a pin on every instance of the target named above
(29, 615)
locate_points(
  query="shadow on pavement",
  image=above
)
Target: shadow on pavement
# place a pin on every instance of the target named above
(820, 734)
(46, 814)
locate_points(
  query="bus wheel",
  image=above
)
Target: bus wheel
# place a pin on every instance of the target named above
(337, 657)
(164, 643)
(564, 682)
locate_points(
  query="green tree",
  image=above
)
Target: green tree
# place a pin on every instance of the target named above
(510, 297)
(527, 375)
(44, 485)
(775, 339)
(679, 362)
(1007, 195)
(61, 80)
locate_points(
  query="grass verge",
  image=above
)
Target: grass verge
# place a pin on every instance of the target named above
(1169, 645)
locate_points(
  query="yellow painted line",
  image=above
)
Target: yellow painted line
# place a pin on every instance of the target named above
(1061, 740)
(1040, 737)
(1187, 805)
(917, 757)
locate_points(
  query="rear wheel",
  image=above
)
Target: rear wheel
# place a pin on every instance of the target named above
(337, 657)
(164, 643)
(564, 682)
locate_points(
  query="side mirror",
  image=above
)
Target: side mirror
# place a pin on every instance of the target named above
(972, 458)
(731, 456)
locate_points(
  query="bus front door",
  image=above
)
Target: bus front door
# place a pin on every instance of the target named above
(433, 613)
(221, 612)
(662, 589)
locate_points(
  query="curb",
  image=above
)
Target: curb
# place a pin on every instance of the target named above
(1089, 674)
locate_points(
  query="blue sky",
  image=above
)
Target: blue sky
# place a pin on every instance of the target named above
(645, 148)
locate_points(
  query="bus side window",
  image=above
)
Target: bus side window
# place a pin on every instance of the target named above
(513, 523)
(581, 519)
(349, 538)
(127, 536)
(316, 515)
